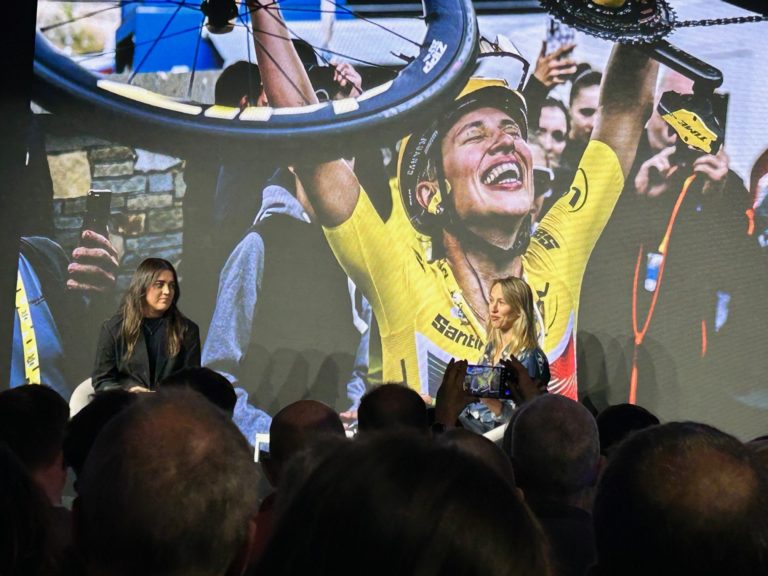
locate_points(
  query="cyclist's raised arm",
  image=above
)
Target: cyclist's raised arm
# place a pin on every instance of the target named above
(626, 98)
(332, 187)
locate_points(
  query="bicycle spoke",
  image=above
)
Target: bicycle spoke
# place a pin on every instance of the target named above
(84, 16)
(248, 53)
(194, 60)
(334, 53)
(319, 51)
(314, 49)
(144, 43)
(374, 23)
(156, 41)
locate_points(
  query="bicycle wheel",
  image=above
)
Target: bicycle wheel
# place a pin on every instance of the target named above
(102, 106)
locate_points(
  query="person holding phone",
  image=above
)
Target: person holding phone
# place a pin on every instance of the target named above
(55, 291)
(687, 283)
(512, 332)
(149, 338)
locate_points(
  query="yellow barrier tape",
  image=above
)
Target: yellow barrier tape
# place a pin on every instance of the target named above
(28, 339)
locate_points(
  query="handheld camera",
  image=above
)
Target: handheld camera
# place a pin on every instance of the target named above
(484, 381)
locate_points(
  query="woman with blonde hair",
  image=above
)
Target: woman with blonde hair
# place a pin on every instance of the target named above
(512, 331)
(149, 338)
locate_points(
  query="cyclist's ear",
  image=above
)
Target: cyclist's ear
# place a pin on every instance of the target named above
(429, 197)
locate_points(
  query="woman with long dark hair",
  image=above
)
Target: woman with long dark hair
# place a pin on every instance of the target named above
(512, 330)
(149, 338)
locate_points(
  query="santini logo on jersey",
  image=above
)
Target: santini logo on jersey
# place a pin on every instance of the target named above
(443, 325)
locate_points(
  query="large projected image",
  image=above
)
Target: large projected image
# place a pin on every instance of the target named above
(213, 141)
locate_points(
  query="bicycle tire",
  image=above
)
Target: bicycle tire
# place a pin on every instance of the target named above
(435, 76)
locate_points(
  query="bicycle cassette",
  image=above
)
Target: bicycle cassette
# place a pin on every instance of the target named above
(626, 21)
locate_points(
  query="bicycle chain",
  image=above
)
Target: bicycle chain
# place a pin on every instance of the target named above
(597, 21)
(720, 21)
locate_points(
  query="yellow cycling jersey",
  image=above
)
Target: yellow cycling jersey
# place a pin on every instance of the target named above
(424, 319)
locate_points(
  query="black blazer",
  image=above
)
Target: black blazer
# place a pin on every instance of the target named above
(111, 368)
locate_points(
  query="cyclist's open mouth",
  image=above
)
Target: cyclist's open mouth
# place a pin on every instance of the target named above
(506, 174)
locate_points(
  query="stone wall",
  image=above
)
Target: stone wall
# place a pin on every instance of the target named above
(147, 197)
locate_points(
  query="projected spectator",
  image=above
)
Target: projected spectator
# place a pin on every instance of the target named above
(55, 298)
(431, 305)
(582, 108)
(758, 189)
(552, 131)
(287, 323)
(149, 338)
(280, 272)
(552, 69)
(551, 179)
(685, 282)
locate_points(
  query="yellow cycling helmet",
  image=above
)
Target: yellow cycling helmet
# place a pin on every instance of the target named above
(420, 155)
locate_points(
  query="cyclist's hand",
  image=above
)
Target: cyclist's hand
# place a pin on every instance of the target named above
(714, 169)
(451, 397)
(348, 80)
(555, 68)
(652, 178)
(93, 264)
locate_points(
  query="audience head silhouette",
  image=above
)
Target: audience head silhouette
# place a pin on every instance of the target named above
(555, 449)
(84, 427)
(215, 387)
(168, 489)
(615, 423)
(293, 429)
(402, 504)
(33, 418)
(391, 406)
(24, 522)
(682, 498)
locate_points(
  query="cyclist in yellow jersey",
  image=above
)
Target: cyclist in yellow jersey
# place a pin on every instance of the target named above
(471, 173)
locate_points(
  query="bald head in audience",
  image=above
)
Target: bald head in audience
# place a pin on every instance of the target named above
(169, 488)
(392, 406)
(682, 498)
(555, 450)
(292, 430)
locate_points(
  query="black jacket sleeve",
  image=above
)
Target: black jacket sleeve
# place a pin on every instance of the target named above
(105, 371)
